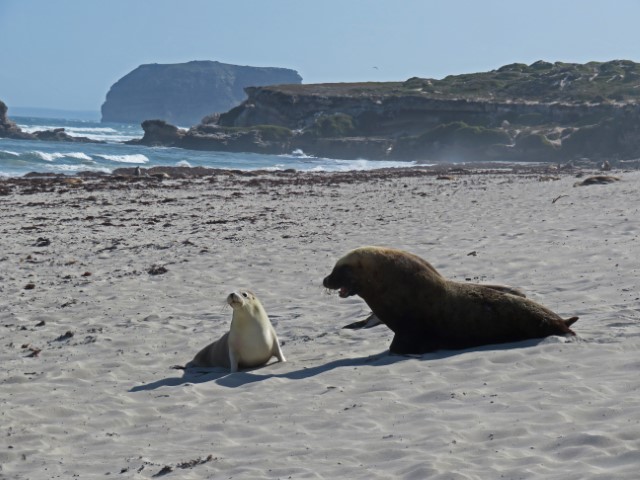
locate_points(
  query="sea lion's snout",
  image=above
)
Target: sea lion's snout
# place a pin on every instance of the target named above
(234, 299)
(339, 280)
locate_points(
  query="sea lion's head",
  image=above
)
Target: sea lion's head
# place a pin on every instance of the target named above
(240, 299)
(246, 304)
(353, 272)
(374, 271)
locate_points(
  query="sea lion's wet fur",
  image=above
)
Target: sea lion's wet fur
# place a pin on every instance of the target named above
(428, 312)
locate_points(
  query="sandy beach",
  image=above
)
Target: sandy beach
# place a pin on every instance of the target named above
(106, 283)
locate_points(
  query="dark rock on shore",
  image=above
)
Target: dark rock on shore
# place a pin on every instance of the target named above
(260, 139)
(9, 129)
(184, 93)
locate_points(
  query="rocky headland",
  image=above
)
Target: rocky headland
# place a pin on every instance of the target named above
(9, 129)
(539, 112)
(184, 93)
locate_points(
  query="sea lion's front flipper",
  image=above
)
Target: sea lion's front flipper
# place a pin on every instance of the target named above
(369, 322)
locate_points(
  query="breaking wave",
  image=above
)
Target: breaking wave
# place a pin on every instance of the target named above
(134, 158)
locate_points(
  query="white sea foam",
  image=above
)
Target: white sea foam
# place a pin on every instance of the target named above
(107, 134)
(82, 130)
(104, 134)
(35, 128)
(348, 165)
(48, 157)
(134, 158)
(183, 163)
(79, 156)
(297, 153)
(66, 168)
(9, 152)
(113, 138)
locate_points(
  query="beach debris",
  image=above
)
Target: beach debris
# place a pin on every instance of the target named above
(597, 180)
(161, 176)
(163, 471)
(42, 242)
(30, 286)
(73, 181)
(157, 270)
(559, 197)
(35, 351)
(66, 336)
(472, 254)
(41, 323)
(184, 465)
(445, 177)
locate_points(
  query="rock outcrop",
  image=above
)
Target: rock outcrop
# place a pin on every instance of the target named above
(540, 112)
(9, 129)
(262, 139)
(184, 93)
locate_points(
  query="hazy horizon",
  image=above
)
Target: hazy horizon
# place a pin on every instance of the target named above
(67, 54)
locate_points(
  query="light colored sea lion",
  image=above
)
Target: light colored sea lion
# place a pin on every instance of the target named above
(427, 312)
(250, 342)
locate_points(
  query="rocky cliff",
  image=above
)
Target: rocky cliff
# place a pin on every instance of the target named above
(543, 111)
(540, 112)
(184, 93)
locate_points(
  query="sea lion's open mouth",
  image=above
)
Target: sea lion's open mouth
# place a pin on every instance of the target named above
(338, 281)
(345, 292)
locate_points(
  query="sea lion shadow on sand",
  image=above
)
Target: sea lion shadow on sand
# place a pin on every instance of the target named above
(224, 378)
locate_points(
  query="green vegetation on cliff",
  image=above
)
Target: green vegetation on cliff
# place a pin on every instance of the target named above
(459, 133)
(593, 82)
(337, 125)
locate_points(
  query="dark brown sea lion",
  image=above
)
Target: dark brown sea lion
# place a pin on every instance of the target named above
(427, 312)
(597, 180)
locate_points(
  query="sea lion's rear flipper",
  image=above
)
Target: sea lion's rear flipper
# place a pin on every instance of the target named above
(570, 321)
(369, 322)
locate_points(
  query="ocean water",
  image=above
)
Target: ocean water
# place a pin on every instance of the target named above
(18, 157)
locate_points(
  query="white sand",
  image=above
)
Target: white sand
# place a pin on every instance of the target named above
(106, 404)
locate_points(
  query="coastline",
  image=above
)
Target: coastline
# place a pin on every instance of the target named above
(100, 396)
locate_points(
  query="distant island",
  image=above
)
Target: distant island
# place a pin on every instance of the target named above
(184, 93)
(539, 112)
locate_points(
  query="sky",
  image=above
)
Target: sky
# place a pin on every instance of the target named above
(66, 54)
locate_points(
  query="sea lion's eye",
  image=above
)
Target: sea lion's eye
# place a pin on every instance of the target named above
(244, 294)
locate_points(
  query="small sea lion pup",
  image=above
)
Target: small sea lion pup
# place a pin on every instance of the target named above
(250, 342)
(427, 312)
